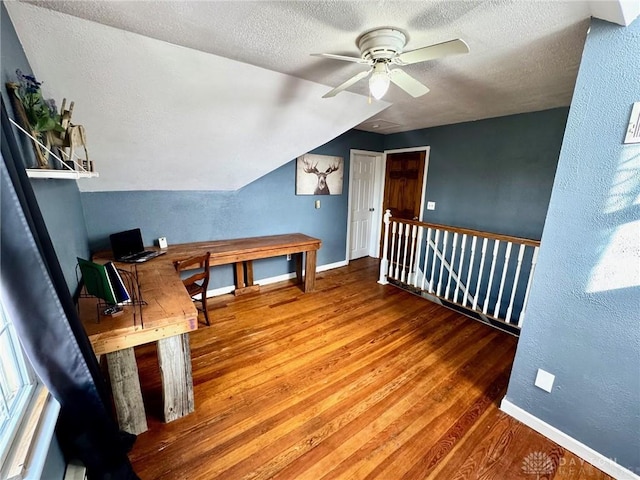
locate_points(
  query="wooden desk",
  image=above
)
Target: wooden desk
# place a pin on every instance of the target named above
(166, 319)
(170, 314)
(242, 251)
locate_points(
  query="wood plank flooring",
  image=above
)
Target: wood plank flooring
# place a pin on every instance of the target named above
(353, 381)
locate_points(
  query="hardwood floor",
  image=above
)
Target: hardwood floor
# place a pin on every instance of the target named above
(353, 381)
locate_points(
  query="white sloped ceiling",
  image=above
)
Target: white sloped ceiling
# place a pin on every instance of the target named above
(164, 117)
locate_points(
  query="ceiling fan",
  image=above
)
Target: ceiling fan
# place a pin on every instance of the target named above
(382, 47)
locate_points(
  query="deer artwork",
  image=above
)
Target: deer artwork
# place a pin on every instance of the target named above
(322, 188)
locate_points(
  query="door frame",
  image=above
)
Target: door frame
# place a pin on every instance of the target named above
(377, 192)
(427, 150)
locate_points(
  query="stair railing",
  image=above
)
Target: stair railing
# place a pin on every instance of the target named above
(485, 275)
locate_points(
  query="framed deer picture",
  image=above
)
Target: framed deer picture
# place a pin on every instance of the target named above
(319, 175)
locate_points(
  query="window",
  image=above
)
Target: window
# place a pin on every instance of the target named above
(17, 385)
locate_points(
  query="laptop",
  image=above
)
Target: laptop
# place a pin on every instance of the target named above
(127, 247)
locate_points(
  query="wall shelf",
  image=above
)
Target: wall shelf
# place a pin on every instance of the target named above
(59, 174)
(68, 173)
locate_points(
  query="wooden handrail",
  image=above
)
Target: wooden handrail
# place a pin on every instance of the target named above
(468, 231)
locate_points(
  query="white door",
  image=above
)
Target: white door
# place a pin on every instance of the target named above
(362, 204)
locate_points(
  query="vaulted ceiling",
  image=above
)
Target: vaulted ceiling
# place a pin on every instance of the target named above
(212, 95)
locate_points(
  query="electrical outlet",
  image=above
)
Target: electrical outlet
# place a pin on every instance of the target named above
(544, 380)
(431, 205)
(288, 257)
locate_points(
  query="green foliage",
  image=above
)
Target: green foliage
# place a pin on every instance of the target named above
(42, 114)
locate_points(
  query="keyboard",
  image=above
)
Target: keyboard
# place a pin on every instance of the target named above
(141, 256)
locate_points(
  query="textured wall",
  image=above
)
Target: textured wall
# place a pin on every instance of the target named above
(59, 200)
(582, 320)
(493, 175)
(267, 206)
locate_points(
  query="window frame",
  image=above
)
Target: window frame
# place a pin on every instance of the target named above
(18, 406)
(27, 431)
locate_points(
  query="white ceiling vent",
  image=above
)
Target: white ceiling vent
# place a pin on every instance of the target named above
(378, 125)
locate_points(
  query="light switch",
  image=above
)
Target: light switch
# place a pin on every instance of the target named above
(317, 203)
(544, 380)
(431, 205)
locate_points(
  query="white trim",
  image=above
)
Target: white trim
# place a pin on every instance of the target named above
(40, 449)
(598, 460)
(376, 248)
(377, 193)
(276, 279)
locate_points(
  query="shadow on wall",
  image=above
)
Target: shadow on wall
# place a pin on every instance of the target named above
(619, 263)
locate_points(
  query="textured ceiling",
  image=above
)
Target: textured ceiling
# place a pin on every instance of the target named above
(210, 95)
(524, 54)
(160, 116)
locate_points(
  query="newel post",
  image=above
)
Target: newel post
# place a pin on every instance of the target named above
(384, 263)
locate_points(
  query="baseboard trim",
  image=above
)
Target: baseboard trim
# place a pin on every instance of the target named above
(598, 460)
(278, 278)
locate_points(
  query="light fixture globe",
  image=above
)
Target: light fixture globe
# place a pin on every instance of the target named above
(379, 81)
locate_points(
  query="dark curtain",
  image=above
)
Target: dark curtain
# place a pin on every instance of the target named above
(38, 301)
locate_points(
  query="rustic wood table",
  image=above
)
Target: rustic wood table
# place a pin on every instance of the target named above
(242, 251)
(169, 315)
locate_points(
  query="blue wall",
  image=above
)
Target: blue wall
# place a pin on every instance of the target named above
(499, 179)
(267, 206)
(493, 175)
(59, 200)
(582, 319)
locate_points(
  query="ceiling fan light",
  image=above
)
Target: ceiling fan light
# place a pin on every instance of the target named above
(379, 83)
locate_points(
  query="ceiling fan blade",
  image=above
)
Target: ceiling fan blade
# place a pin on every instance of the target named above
(341, 57)
(347, 84)
(439, 50)
(407, 83)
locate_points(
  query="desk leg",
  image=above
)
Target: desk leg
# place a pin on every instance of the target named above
(244, 278)
(127, 395)
(248, 266)
(174, 357)
(240, 282)
(299, 258)
(310, 271)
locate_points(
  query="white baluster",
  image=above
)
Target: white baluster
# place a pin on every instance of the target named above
(394, 228)
(452, 264)
(496, 245)
(462, 247)
(515, 282)
(399, 249)
(468, 284)
(404, 274)
(479, 281)
(384, 263)
(416, 267)
(442, 259)
(507, 255)
(433, 261)
(427, 246)
(534, 260)
(412, 268)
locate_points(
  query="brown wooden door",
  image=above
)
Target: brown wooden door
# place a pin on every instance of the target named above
(403, 184)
